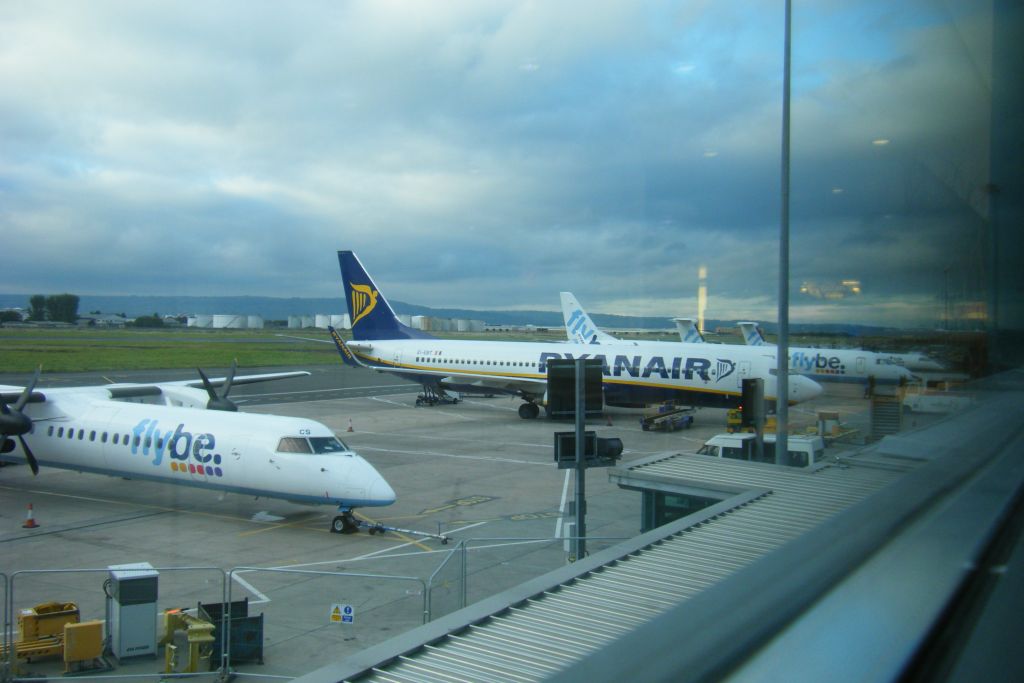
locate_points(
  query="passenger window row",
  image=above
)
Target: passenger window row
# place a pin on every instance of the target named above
(493, 363)
(117, 438)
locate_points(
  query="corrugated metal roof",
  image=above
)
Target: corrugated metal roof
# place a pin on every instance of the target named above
(536, 634)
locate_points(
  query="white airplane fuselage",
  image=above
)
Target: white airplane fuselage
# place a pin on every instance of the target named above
(634, 374)
(85, 430)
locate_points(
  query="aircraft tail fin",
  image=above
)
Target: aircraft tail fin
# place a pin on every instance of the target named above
(371, 315)
(752, 334)
(579, 328)
(688, 331)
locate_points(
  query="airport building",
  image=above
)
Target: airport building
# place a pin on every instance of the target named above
(787, 574)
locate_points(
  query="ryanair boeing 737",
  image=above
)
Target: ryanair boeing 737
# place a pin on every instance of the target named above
(821, 365)
(178, 433)
(634, 376)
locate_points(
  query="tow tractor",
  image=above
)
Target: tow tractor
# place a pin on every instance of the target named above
(380, 529)
(669, 418)
(347, 523)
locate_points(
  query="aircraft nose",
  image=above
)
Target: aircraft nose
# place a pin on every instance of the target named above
(381, 491)
(803, 389)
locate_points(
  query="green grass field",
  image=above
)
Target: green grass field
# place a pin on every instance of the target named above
(70, 350)
(80, 350)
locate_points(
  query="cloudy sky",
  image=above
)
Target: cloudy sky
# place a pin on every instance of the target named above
(489, 154)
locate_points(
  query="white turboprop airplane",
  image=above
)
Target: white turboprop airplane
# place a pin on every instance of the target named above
(821, 365)
(176, 433)
(834, 365)
(634, 375)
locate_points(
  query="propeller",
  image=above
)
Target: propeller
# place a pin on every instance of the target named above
(220, 402)
(15, 423)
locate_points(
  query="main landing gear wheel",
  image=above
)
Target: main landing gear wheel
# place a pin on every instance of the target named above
(529, 411)
(344, 524)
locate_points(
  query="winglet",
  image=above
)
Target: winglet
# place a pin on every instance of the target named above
(346, 353)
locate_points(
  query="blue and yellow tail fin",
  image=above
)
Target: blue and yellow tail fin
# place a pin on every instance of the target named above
(371, 315)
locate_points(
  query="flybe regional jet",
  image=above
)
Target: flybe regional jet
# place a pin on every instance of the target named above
(177, 433)
(821, 365)
(633, 376)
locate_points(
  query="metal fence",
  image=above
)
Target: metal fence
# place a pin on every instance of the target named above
(311, 613)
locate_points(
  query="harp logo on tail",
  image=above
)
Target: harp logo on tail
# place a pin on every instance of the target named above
(364, 300)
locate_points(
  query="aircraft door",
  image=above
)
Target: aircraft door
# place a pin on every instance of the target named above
(862, 365)
(742, 372)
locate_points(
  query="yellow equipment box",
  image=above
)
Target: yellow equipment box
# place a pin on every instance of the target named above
(83, 641)
(46, 619)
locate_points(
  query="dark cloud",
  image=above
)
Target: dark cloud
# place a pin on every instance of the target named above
(492, 154)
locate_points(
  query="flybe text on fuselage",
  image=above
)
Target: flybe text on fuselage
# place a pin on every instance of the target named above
(643, 367)
(818, 363)
(185, 451)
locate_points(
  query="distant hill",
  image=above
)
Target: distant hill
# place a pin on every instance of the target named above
(272, 308)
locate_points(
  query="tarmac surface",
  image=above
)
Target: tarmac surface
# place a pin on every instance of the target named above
(474, 472)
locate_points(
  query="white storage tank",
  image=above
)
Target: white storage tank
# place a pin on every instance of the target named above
(322, 321)
(203, 321)
(405, 319)
(461, 325)
(294, 322)
(307, 321)
(222, 321)
(340, 322)
(421, 322)
(254, 322)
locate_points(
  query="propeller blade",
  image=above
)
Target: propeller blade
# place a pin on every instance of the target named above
(27, 394)
(206, 383)
(13, 422)
(219, 402)
(33, 465)
(230, 378)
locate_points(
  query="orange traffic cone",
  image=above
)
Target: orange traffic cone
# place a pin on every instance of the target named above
(350, 426)
(30, 522)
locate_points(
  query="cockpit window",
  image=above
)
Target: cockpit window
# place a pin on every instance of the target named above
(293, 444)
(327, 444)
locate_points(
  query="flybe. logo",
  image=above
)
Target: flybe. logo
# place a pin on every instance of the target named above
(187, 453)
(818, 363)
(578, 327)
(656, 366)
(364, 299)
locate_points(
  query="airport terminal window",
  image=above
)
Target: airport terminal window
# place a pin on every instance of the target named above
(293, 444)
